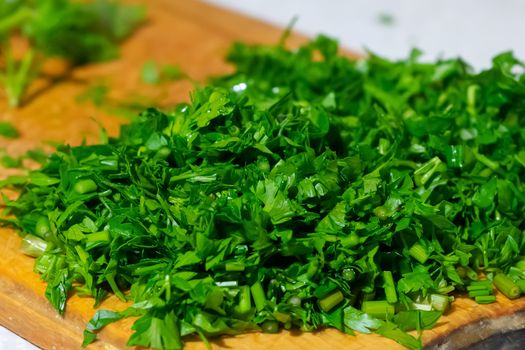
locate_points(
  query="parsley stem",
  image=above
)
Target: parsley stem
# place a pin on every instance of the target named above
(389, 286)
(15, 19)
(17, 77)
(506, 286)
(331, 300)
(418, 252)
(259, 298)
(378, 309)
(113, 284)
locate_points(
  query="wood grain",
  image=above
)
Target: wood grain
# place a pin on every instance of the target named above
(195, 36)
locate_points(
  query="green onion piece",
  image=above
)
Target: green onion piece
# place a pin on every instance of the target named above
(368, 296)
(479, 293)
(378, 308)
(471, 274)
(295, 301)
(97, 236)
(312, 268)
(521, 284)
(245, 302)
(234, 266)
(486, 299)
(348, 274)
(418, 252)
(42, 228)
(520, 265)
(514, 271)
(227, 284)
(282, 317)
(439, 302)
(462, 272)
(330, 301)
(270, 327)
(33, 246)
(144, 270)
(472, 288)
(259, 298)
(85, 186)
(506, 286)
(389, 286)
(481, 283)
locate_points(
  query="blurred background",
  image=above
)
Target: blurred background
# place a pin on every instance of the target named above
(473, 29)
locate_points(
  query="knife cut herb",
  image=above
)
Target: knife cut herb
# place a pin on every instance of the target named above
(305, 190)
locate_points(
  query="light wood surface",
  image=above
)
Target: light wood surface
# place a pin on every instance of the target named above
(195, 36)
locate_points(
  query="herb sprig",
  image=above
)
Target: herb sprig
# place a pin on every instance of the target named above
(305, 190)
(79, 32)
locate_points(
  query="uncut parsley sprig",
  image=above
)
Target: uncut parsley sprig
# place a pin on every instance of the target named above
(305, 190)
(79, 32)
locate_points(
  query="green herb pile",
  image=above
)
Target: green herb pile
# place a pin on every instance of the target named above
(79, 32)
(305, 190)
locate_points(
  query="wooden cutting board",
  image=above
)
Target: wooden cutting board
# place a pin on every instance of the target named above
(195, 36)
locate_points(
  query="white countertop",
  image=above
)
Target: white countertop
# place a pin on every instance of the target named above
(472, 29)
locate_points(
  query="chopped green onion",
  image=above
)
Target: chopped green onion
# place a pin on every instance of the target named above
(471, 274)
(85, 186)
(259, 298)
(234, 266)
(480, 292)
(520, 265)
(33, 246)
(506, 286)
(378, 308)
(521, 284)
(486, 299)
(389, 286)
(439, 302)
(245, 302)
(270, 327)
(227, 284)
(481, 283)
(282, 317)
(418, 252)
(330, 301)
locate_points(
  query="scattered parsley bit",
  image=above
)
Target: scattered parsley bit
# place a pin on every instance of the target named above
(153, 74)
(302, 191)
(386, 19)
(8, 130)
